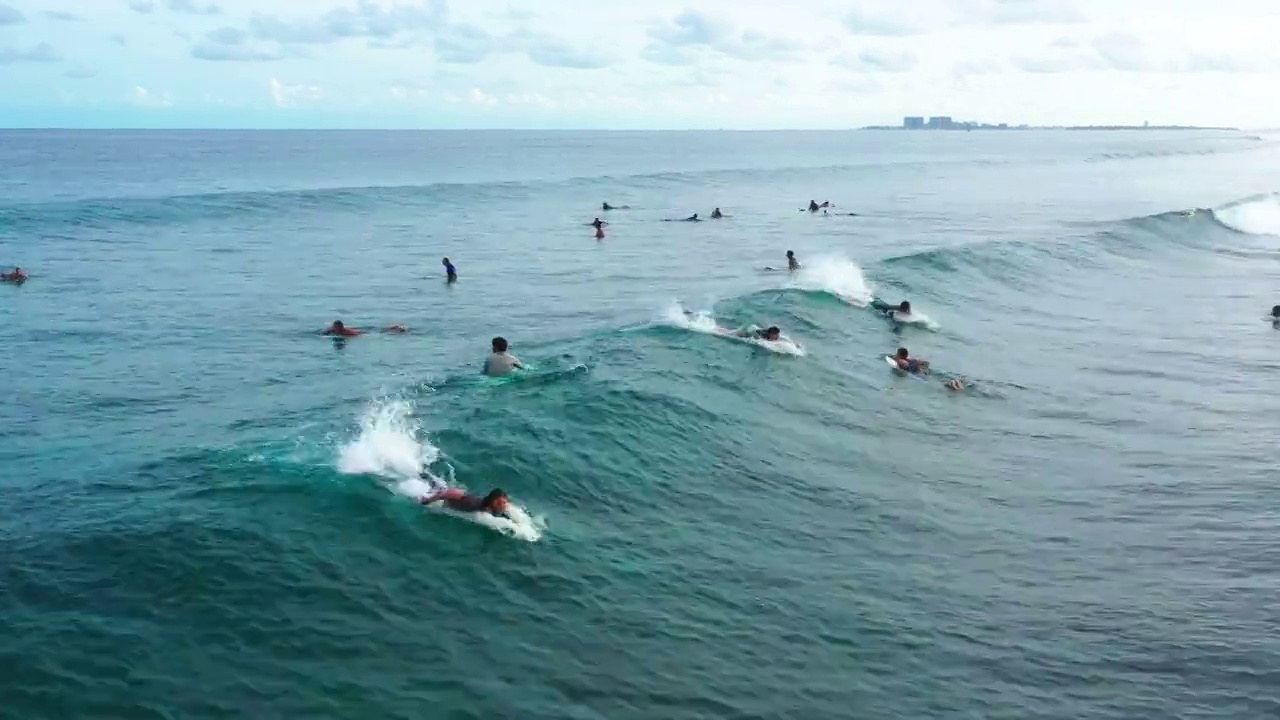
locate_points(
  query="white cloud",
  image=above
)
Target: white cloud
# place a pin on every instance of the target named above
(143, 97)
(286, 96)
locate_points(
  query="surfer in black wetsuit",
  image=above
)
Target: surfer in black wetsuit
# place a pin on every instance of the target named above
(716, 214)
(606, 207)
(792, 262)
(598, 223)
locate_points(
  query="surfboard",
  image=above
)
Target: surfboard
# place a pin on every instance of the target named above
(892, 363)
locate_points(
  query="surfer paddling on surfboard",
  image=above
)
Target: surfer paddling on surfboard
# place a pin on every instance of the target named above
(459, 500)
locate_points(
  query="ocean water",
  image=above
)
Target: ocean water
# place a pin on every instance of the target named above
(207, 510)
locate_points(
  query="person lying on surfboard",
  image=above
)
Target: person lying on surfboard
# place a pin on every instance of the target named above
(771, 333)
(906, 363)
(903, 309)
(459, 500)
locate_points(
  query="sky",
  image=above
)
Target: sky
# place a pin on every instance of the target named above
(628, 64)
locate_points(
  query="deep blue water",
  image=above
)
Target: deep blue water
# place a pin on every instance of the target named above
(207, 509)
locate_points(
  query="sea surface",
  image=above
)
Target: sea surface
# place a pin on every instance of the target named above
(208, 510)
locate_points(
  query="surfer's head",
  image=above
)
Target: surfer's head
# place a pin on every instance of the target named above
(790, 254)
(337, 326)
(902, 354)
(499, 344)
(496, 502)
(772, 333)
(1275, 311)
(904, 307)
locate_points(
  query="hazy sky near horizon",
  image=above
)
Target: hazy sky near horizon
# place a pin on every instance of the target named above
(633, 64)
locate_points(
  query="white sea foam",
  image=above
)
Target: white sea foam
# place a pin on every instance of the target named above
(1258, 216)
(837, 275)
(704, 321)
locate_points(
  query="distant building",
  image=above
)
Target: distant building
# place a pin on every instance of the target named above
(913, 123)
(940, 122)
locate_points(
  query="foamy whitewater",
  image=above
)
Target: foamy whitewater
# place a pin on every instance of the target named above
(211, 510)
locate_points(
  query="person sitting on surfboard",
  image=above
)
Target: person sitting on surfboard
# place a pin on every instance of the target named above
(459, 500)
(792, 262)
(716, 214)
(598, 223)
(1275, 311)
(906, 363)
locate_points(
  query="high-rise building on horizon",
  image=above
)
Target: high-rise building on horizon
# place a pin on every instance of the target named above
(913, 123)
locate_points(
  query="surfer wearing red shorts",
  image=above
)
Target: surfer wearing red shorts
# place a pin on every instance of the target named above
(457, 499)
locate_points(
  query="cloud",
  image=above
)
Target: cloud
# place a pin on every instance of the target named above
(464, 45)
(40, 53)
(231, 45)
(142, 6)
(1122, 51)
(285, 96)
(1034, 12)
(80, 72)
(366, 20)
(691, 33)
(11, 15)
(878, 24)
(143, 97)
(1047, 64)
(872, 60)
(193, 8)
(62, 15)
(553, 52)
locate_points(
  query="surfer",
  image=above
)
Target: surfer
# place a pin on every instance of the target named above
(906, 363)
(607, 207)
(501, 362)
(450, 272)
(815, 207)
(903, 309)
(17, 276)
(598, 223)
(792, 262)
(716, 214)
(337, 329)
(771, 333)
(692, 218)
(459, 500)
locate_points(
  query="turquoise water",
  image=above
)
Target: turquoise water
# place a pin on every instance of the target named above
(208, 509)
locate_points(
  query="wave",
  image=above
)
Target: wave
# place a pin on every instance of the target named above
(837, 276)
(1259, 215)
(392, 445)
(704, 322)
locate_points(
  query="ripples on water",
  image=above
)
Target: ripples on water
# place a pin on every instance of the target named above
(209, 509)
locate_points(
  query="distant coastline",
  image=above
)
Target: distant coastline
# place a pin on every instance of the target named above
(962, 128)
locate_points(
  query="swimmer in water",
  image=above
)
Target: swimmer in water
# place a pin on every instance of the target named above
(18, 275)
(501, 362)
(693, 218)
(495, 502)
(792, 262)
(906, 363)
(450, 272)
(598, 223)
(606, 207)
(716, 214)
